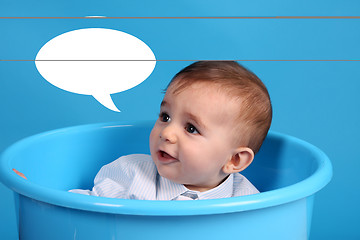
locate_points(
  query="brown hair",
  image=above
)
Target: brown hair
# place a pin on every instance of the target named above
(255, 113)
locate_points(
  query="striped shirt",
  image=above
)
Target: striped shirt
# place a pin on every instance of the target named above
(135, 177)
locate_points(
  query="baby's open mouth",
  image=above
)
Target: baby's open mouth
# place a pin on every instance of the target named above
(165, 157)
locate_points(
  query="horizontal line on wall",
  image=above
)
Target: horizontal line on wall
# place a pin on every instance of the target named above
(189, 60)
(204, 17)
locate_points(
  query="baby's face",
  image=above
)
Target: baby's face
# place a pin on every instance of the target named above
(193, 138)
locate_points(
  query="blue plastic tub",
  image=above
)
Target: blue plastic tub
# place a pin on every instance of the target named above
(287, 171)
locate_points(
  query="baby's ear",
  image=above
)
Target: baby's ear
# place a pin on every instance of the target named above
(240, 160)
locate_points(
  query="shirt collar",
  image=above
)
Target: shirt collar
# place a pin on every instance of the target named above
(168, 190)
(224, 190)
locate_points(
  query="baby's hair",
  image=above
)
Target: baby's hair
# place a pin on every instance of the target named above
(255, 114)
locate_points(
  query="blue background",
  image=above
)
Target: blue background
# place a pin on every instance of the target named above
(316, 101)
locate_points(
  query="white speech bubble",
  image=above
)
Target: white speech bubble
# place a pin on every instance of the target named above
(95, 61)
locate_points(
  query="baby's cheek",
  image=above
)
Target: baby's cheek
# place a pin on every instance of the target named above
(193, 162)
(153, 137)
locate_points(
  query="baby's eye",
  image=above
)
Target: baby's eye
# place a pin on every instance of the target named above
(164, 117)
(191, 129)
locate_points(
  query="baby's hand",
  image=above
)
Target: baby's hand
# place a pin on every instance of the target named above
(19, 173)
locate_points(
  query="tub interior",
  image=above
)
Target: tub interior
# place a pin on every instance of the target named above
(70, 158)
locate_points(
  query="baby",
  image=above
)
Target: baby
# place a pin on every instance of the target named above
(213, 119)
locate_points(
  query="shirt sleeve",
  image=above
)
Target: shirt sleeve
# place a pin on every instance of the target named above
(129, 177)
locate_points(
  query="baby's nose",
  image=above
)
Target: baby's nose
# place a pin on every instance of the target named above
(169, 134)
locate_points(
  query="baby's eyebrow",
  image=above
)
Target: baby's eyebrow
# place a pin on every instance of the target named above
(163, 103)
(197, 120)
(190, 115)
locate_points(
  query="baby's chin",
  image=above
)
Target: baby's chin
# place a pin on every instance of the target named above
(167, 172)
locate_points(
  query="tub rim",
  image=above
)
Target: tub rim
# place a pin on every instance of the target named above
(309, 186)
